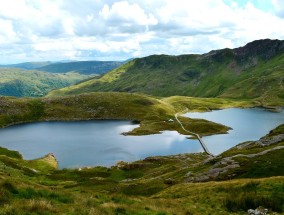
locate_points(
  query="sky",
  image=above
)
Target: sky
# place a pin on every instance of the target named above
(55, 30)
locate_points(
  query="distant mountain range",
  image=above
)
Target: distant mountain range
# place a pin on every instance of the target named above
(34, 79)
(82, 67)
(253, 71)
(27, 65)
(32, 83)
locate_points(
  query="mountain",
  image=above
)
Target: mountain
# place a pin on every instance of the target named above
(253, 71)
(27, 65)
(31, 83)
(82, 67)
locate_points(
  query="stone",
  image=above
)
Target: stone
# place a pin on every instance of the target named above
(169, 181)
(188, 174)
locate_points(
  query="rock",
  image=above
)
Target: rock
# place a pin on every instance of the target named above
(51, 160)
(258, 211)
(251, 212)
(212, 173)
(127, 166)
(265, 141)
(129, 180)
(188, 174)
(121, 164)
(153, 159)
(169, 181)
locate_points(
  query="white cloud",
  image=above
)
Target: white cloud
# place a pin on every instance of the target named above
(113, 29)
(7, 32)
(279, 7)
(129, 13)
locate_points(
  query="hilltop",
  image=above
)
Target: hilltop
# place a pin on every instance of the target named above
(253, 71)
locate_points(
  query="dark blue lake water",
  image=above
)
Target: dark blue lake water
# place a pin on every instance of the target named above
(92, 143)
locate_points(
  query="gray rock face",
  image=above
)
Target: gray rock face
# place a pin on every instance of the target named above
(212, 173)
(262, 142)
(258, 211)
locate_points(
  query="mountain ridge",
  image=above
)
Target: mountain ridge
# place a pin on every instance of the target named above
(82, 67)
(252, 71)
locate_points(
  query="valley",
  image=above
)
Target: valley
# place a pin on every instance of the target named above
(144, 95)
(32, 83)
(36, 79)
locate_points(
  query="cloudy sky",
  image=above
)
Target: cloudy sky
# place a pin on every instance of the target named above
(41, 30)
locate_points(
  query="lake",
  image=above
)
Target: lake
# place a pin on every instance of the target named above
(246, 124)
(91, 143)
(98, 142)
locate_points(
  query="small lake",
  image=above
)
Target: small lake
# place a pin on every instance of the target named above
(246, 124)
(98, 142)
(91, 143)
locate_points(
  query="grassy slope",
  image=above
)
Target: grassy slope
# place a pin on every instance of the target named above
(156, 185)
(245, 73)
(23, 83)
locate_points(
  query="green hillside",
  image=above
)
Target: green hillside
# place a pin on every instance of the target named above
(31, 83)
(253, 71)
(153, 114)
(82, 67)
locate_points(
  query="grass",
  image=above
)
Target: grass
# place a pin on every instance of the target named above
(82, 67)
(25, 83)
(10, 153)
(155, 185)
(222, 73)
(153, 114)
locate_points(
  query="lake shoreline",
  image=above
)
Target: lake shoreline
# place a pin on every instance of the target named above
(144, 139)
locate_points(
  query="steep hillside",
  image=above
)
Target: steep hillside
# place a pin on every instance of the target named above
(82, 67)
(253, 71)
(31, 83)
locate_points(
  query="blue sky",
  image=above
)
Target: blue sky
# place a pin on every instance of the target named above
(36, 30)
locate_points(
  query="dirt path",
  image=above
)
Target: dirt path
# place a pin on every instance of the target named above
(196, 135)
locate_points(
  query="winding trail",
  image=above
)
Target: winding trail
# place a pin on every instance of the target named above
(196, 135)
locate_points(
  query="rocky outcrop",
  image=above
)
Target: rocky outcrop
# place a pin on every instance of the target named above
(222, 165)
(218, 169)
(128, 166)
(51, 160)
(266, 141)
(258, 211)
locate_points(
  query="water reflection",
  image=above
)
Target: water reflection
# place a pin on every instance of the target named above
(247, 124)
(92, 143)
